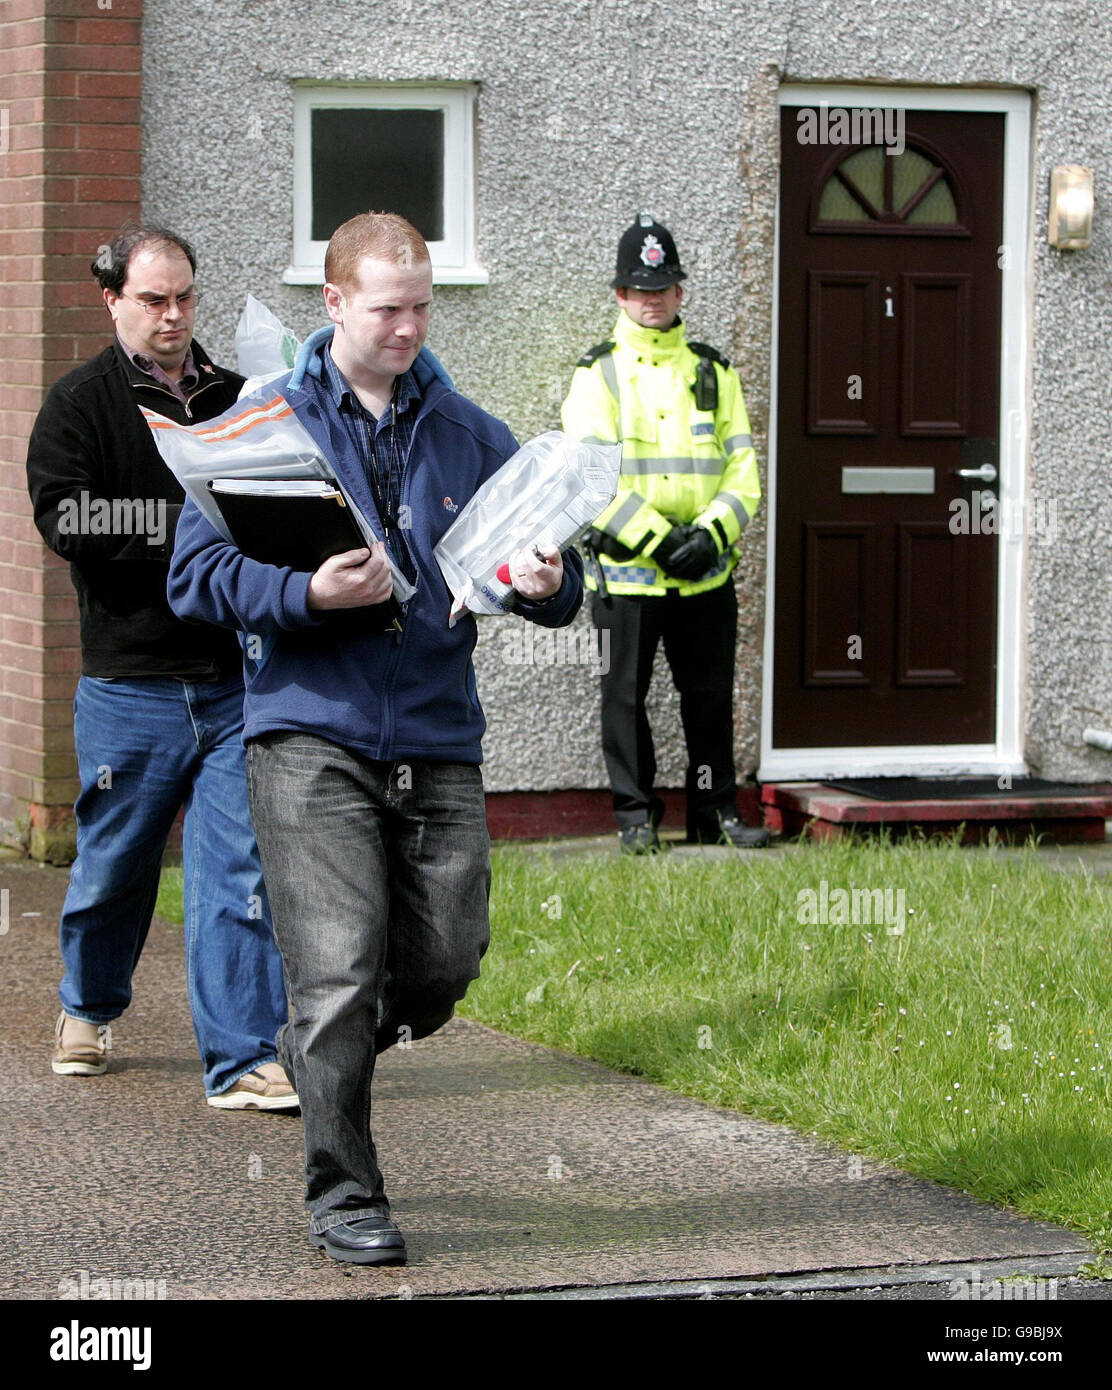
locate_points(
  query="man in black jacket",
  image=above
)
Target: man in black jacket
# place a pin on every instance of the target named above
(159, 708)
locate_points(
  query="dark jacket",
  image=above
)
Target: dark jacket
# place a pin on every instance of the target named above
(390, 695)
(90, 448)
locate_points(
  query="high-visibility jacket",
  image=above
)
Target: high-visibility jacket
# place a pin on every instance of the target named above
(680, 464)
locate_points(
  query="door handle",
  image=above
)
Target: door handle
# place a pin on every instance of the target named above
(985, 474)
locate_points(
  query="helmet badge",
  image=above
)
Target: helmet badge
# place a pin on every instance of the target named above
(652, 253)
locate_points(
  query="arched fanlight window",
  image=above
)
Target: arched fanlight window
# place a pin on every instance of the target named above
(870, 190)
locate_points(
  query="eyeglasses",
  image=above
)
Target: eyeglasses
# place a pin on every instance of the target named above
(157, 304)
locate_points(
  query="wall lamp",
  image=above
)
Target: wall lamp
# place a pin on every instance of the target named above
(1071, 207)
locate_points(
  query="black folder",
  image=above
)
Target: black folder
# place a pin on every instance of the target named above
(299, 523)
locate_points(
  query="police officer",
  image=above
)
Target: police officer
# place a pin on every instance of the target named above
(662, 554)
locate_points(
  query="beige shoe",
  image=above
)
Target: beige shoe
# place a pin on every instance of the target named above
(265, 1088)
(80, 1048)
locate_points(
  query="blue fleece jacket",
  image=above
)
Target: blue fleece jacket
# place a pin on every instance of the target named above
(391, 695)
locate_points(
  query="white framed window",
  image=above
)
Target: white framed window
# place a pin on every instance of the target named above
(385, 148)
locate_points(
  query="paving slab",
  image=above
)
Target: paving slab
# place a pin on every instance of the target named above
(511, 1167)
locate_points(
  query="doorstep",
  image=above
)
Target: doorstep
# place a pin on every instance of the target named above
(820, 812)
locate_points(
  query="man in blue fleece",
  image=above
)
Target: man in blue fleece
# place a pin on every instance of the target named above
(363, 750)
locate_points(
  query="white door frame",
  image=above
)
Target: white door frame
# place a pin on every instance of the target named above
(1005, 755)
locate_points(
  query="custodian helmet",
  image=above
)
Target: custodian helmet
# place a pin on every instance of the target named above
(647, 257)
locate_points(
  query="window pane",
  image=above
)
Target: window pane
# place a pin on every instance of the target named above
(937, 207)
(866, 169)
(839, 205)
(909, 172)
(373, 160)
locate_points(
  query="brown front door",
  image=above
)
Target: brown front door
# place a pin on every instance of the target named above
(889, 384)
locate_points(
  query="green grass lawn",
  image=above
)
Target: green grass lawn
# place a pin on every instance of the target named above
(169, 904)
(964, 1036)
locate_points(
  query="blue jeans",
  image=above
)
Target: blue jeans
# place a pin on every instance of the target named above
(145, 747)
(379, 875)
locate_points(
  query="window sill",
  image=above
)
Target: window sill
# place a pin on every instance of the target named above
(441, 275)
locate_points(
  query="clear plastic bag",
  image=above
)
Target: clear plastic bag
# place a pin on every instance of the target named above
(553, 487)
(265, 347)
(258, 437)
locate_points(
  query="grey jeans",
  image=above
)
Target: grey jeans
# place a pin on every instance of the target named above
(378, 876)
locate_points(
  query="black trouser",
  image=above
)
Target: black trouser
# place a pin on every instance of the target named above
(700, 635)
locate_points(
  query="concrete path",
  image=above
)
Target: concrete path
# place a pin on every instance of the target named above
(510, 1168)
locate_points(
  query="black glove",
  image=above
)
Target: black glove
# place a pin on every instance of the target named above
(686, 552)
(602, 544)
(671, 542)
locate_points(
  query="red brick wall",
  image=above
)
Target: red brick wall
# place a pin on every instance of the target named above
(70, 73)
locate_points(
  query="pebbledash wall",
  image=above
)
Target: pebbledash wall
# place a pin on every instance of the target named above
(586, 113)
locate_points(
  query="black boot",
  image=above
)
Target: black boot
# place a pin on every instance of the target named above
(723, 826)
(639, 839)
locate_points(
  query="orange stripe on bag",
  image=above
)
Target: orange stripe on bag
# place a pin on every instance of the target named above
(256, 415)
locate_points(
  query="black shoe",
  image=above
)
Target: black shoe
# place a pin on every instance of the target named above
(639, 839)
(727, 829)
(369, 1240)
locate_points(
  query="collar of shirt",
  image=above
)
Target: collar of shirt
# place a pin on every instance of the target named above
(183, 389)
(406, 390)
